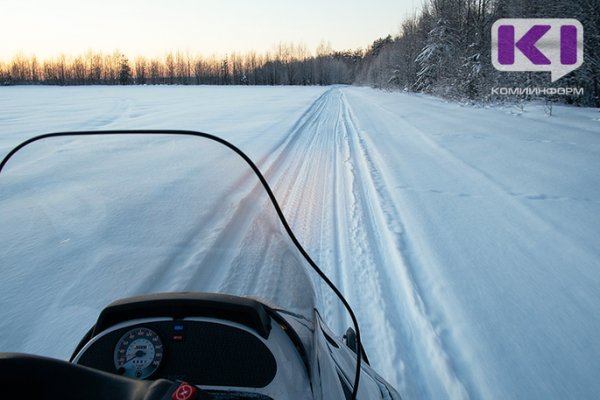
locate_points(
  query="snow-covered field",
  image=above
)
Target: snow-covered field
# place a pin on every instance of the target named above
(466, 239)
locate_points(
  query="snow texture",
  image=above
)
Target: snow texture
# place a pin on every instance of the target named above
(465, 238)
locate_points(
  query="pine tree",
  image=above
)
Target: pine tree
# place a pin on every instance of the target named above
(125, 71)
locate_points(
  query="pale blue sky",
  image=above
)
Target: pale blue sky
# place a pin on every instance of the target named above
(152, 27)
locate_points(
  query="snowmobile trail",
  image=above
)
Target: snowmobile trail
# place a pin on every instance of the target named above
(335, 200)
(464, 237)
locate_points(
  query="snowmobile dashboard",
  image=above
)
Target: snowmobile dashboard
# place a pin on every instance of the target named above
(178, 305)
(218, 342)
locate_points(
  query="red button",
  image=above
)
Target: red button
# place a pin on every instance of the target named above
(185, 391)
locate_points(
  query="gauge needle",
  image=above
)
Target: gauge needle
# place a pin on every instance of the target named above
(137, 354)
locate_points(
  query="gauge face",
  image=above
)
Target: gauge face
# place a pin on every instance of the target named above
(138, 353)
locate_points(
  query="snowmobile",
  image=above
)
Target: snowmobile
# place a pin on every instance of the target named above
(218, 298)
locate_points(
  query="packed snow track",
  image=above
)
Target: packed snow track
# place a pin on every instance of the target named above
(465, 238)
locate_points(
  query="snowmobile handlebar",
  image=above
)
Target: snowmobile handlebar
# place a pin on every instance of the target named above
(35, 377)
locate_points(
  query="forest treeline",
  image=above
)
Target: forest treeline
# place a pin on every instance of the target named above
(287, 64)
(444, 49)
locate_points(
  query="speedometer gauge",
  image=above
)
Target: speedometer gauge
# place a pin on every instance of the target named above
(138, 353)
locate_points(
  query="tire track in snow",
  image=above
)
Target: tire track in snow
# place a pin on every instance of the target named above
(333, 197)
(313, 181)
(288, 174)
(116, 109)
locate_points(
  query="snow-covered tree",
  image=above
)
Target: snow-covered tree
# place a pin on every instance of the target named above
(125, 71)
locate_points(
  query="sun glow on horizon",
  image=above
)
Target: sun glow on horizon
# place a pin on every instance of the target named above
(153, 28)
